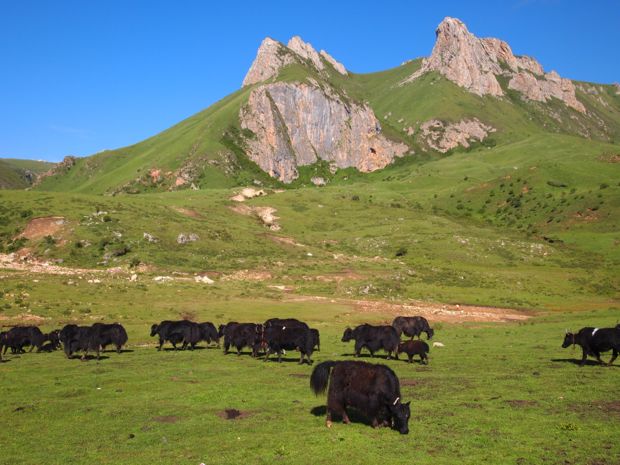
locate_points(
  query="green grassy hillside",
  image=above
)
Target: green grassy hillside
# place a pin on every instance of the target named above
(14, 173)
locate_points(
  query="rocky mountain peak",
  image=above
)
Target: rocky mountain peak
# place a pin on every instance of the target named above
(306, 51)
(474, 64)
(272, 56)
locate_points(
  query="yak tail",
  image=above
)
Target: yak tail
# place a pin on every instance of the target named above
(320, 377)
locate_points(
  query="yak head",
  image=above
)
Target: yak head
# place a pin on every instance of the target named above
(400, 414)
(348, 335)
(430, 333)
(154, 329)
(569, 339)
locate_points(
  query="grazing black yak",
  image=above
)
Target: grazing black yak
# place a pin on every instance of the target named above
(374, 390)
(92, 338)
(78, 338)
(593, 341)
(412, 348)
(285, 323)
(413, 326)
(373, 338)
(276, 339)
(316, 339)
(20, 336)
(209, 333)
(110, 334)
(185, 332)
(240, 335)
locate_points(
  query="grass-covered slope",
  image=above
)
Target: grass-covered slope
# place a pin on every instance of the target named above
(203, 148)
(19, 174)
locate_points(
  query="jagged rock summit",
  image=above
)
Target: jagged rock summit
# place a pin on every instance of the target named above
(300, 123)
(475, 64)
(272, 56)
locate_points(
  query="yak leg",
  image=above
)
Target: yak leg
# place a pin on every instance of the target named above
(358, 348)
(598, 357)
(614, 355)
(267, 352)
(583, 357)
(337, 407)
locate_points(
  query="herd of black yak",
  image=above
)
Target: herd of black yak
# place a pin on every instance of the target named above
(373, 389)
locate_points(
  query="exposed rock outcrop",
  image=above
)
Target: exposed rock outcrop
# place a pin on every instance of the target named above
(336, 64)
(60, 168)
(474, 64)
(542, 90)
(617, 87)
(443, 137)
(297, 124)
(272, 56)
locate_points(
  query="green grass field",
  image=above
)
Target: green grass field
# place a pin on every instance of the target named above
(496, 393)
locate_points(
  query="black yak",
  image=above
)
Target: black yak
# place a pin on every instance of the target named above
(374, 390)
(373, 338)
(593, 341)
(412, 348)
(412, 326)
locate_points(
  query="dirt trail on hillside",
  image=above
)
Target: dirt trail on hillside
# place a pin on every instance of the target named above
(435, 312)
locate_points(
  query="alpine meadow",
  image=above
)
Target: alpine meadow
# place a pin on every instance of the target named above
(471, 187)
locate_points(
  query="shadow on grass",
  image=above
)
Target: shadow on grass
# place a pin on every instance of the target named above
(354, 415)
(89, 358)
(576, 361)
(367, 355)
(123, 351)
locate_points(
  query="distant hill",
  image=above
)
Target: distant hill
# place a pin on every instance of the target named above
(19, 174)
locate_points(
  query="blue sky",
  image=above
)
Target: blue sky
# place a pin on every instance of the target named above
(78, 77)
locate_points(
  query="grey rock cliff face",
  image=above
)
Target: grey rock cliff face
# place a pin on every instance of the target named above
(474, 64)
(297, 124)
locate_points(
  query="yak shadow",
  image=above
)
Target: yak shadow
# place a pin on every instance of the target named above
(123, 351)
(354, 415)
(576, 361)
(367, 355)
(89, 357)
(5, 360)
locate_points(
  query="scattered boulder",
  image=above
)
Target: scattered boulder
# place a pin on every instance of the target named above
(150, 238)
(318, 181)
(186, 238)
(203, 279)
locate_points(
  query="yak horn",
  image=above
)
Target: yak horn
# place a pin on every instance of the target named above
(395, 402)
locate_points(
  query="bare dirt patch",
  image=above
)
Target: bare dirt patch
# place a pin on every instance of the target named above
(166, 419)
(435, 312)
(233, 414)
(27, 263)
(23, 318)
(522, 403)
(248, 275)
(187, 212)
(284, 240)
(38, 228)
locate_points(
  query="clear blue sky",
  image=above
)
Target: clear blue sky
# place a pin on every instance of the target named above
(81, 76)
